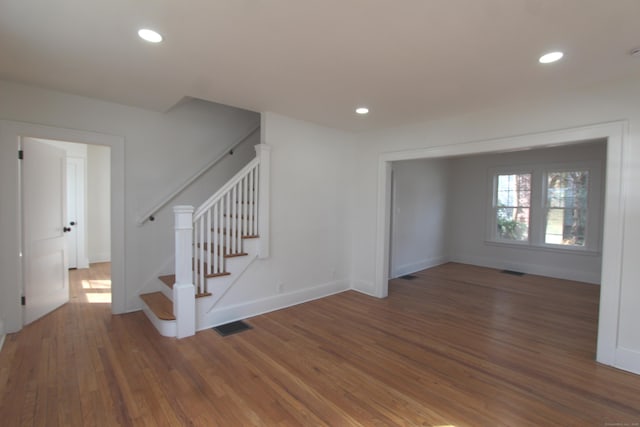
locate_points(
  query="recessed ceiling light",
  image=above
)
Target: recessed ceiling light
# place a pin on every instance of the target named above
(150, 35)
(551, 57)
(362, 110)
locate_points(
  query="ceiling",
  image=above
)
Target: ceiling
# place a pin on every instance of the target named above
(407, 60)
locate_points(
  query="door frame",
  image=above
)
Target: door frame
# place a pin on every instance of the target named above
(11, 133)
(615, 133)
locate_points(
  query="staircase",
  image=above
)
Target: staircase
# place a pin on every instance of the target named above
(214, 246)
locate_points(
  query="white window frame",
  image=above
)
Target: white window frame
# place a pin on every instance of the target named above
(538, 207)
(493, 207)
(592, 233)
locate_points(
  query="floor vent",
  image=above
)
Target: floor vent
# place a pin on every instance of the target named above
(513, 273)
(232, 328)
(409, 277)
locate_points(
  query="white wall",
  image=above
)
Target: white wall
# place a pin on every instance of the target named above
(419, 223)
(603, 103)
(471, 202)
(98, 204)
(161, 151)
(310, 226)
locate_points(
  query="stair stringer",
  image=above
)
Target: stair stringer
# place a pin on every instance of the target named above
(218, 286)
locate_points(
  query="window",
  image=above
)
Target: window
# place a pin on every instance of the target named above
(546, 206)
(512, 203)
(566, 207)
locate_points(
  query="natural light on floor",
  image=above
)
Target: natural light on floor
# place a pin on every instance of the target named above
(102, 288)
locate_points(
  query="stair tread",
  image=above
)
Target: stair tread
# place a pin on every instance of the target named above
(161, 306)
(169, 280)
(222, 249)
(226, 231)
(224, 273)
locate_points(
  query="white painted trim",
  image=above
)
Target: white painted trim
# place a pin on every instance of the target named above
(364, 287)
(166, 328)
(232, 313)
(414, 267)
(13, 131)
(628, 360)
(3, 335)
(101, 257)
(263, 152)
(613, 236)
(540, 270)
(184, 304)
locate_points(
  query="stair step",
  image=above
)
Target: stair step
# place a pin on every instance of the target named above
(161, 306)
(239, 216)
(226, 231)
(169, 280)
(222, 249)
(223, 273)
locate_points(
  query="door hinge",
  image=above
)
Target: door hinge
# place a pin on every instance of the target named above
(20, 154)
(23, 300)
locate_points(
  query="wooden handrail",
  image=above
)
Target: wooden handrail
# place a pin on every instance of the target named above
(148, 215)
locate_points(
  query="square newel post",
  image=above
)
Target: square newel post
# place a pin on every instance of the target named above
(263, 152)
(184, 294)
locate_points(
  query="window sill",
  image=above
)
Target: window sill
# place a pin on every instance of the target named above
(568, 250)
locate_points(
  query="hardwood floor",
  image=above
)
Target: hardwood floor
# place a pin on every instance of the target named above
(458, 345)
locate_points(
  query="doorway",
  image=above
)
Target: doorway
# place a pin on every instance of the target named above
(613, 133)
(11, 134)
(86, 223)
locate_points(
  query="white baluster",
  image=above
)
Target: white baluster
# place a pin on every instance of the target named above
(216, 226)
(252, 229)
(234, 219)
(227, 239)
(201, 258)
(245, 212)
(208, 247)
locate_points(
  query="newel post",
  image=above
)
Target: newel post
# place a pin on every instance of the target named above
(263, 152)
(184, 300)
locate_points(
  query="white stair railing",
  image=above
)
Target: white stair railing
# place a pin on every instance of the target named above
(240, 209)
(220, 224)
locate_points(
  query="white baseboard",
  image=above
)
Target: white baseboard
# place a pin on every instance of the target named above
(166, 328)
(235, 312)
(364, 287)
(627, 360)
(540, 270)
(103, 257)
(418, 266)
(83, 263)
(3, 334)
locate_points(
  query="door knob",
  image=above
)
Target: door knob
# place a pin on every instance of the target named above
(72, 223)
(66, 229)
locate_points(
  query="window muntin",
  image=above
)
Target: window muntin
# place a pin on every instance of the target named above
(566, 207)
(512, 206)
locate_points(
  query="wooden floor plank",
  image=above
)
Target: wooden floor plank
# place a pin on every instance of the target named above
(458, 345)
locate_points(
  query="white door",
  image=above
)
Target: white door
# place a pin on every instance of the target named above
(46, 281)
(72, 212)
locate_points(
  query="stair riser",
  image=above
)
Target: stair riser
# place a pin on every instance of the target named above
(166, 328)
